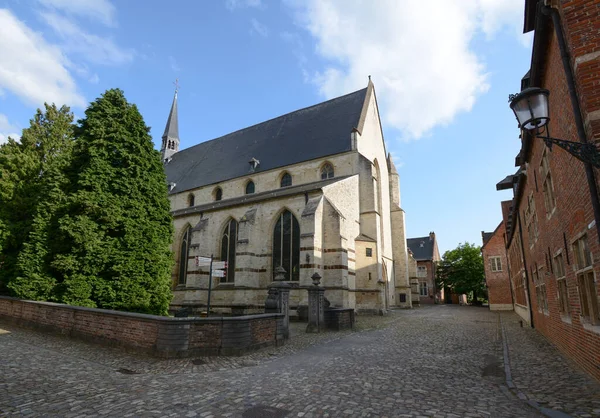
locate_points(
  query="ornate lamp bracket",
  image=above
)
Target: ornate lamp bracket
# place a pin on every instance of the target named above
(588, 153)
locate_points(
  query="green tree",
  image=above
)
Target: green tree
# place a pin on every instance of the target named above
(462, 271)
(110, 248)
(27, 169)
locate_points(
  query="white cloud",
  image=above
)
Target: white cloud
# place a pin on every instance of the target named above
(240, 4)
(31, 68)
(93, 48)
(259, 28)
(7, 130)
(418, 52)
(100, 10)
(173, 63)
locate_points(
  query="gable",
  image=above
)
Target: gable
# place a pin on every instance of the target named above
(314, 132)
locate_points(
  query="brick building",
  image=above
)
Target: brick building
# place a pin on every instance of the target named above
(497, 282)
(552, 237)
(425, 251)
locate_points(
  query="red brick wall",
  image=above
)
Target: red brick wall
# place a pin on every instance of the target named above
(497, 282)
(163, 336)
(573, 215)
(429, 279)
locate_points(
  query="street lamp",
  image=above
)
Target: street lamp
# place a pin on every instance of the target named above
(532, 112)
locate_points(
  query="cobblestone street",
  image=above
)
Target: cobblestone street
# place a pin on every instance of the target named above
(440, 361)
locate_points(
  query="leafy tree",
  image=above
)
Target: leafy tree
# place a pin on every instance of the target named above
(27, 169)
(110, 245)
(462, 271)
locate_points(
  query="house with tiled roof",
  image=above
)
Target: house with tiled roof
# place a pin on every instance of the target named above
(425, 252)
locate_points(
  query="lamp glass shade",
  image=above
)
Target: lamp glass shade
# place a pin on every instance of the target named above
(531, 108)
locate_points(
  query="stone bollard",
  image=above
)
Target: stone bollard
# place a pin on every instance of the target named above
(316, 306)
(278, 299)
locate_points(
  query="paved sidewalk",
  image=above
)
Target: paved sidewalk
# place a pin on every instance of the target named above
(437, 361)
(545, 376)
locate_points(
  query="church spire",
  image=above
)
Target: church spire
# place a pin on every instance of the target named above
(170, 139)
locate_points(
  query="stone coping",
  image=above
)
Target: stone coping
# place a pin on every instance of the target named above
(146, 317)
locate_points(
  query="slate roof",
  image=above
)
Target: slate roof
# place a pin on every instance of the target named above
(313, 132)
(424, 252)
(172, 127)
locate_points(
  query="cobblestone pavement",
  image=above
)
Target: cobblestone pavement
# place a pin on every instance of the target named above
(545, 376)
(440, 361)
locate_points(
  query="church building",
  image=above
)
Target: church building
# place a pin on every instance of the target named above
(312, 191)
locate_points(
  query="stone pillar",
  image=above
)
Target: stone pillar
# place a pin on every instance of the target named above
(278, 299)
(316, 306)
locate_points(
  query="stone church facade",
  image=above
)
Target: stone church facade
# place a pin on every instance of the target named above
(312, 191)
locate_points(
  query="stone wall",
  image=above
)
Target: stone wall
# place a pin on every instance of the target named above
(155, 335)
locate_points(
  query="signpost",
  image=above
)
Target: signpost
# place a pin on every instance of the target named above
(219, 271)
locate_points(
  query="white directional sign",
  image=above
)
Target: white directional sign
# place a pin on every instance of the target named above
(202, 261)
(219, 265)
(218, 273)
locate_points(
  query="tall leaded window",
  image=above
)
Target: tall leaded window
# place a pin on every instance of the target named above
(228, 246)
(286, 245)
(327, 171)
(191, 200)
(250, 187)
(218, 193)
(286, 180)
(184, 251)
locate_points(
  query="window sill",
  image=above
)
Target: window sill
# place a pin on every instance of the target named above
(589, 327)
(566, 319)
(225, 286)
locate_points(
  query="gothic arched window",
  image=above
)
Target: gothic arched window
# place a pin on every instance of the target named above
(184, 251)
(286, 180)
(327, 171)
(228, 246)
(250, 187)
(286, 245)
(191, 200)
(218, 193)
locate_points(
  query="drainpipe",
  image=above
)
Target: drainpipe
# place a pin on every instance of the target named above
(525, 267)
(566, 60)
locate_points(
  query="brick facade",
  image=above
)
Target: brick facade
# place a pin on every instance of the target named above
(496, 270)
(549, 282)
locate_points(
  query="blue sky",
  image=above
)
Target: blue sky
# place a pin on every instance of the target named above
(442, 72)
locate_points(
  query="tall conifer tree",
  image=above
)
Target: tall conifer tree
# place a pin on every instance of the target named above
(27, 170)
(112, 243)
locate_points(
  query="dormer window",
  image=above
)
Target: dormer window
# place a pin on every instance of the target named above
(286, 180)
(218, 194)
(327, 171)
(253, 164)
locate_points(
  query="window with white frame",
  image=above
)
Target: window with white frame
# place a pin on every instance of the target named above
(547, 185)
(421, 271)
(496, 263)
(586, 283)
(423, 289)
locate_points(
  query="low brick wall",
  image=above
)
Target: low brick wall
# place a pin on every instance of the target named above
(338, 319)
(156, 335)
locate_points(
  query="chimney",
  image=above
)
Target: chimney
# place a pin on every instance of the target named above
(432, 236)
